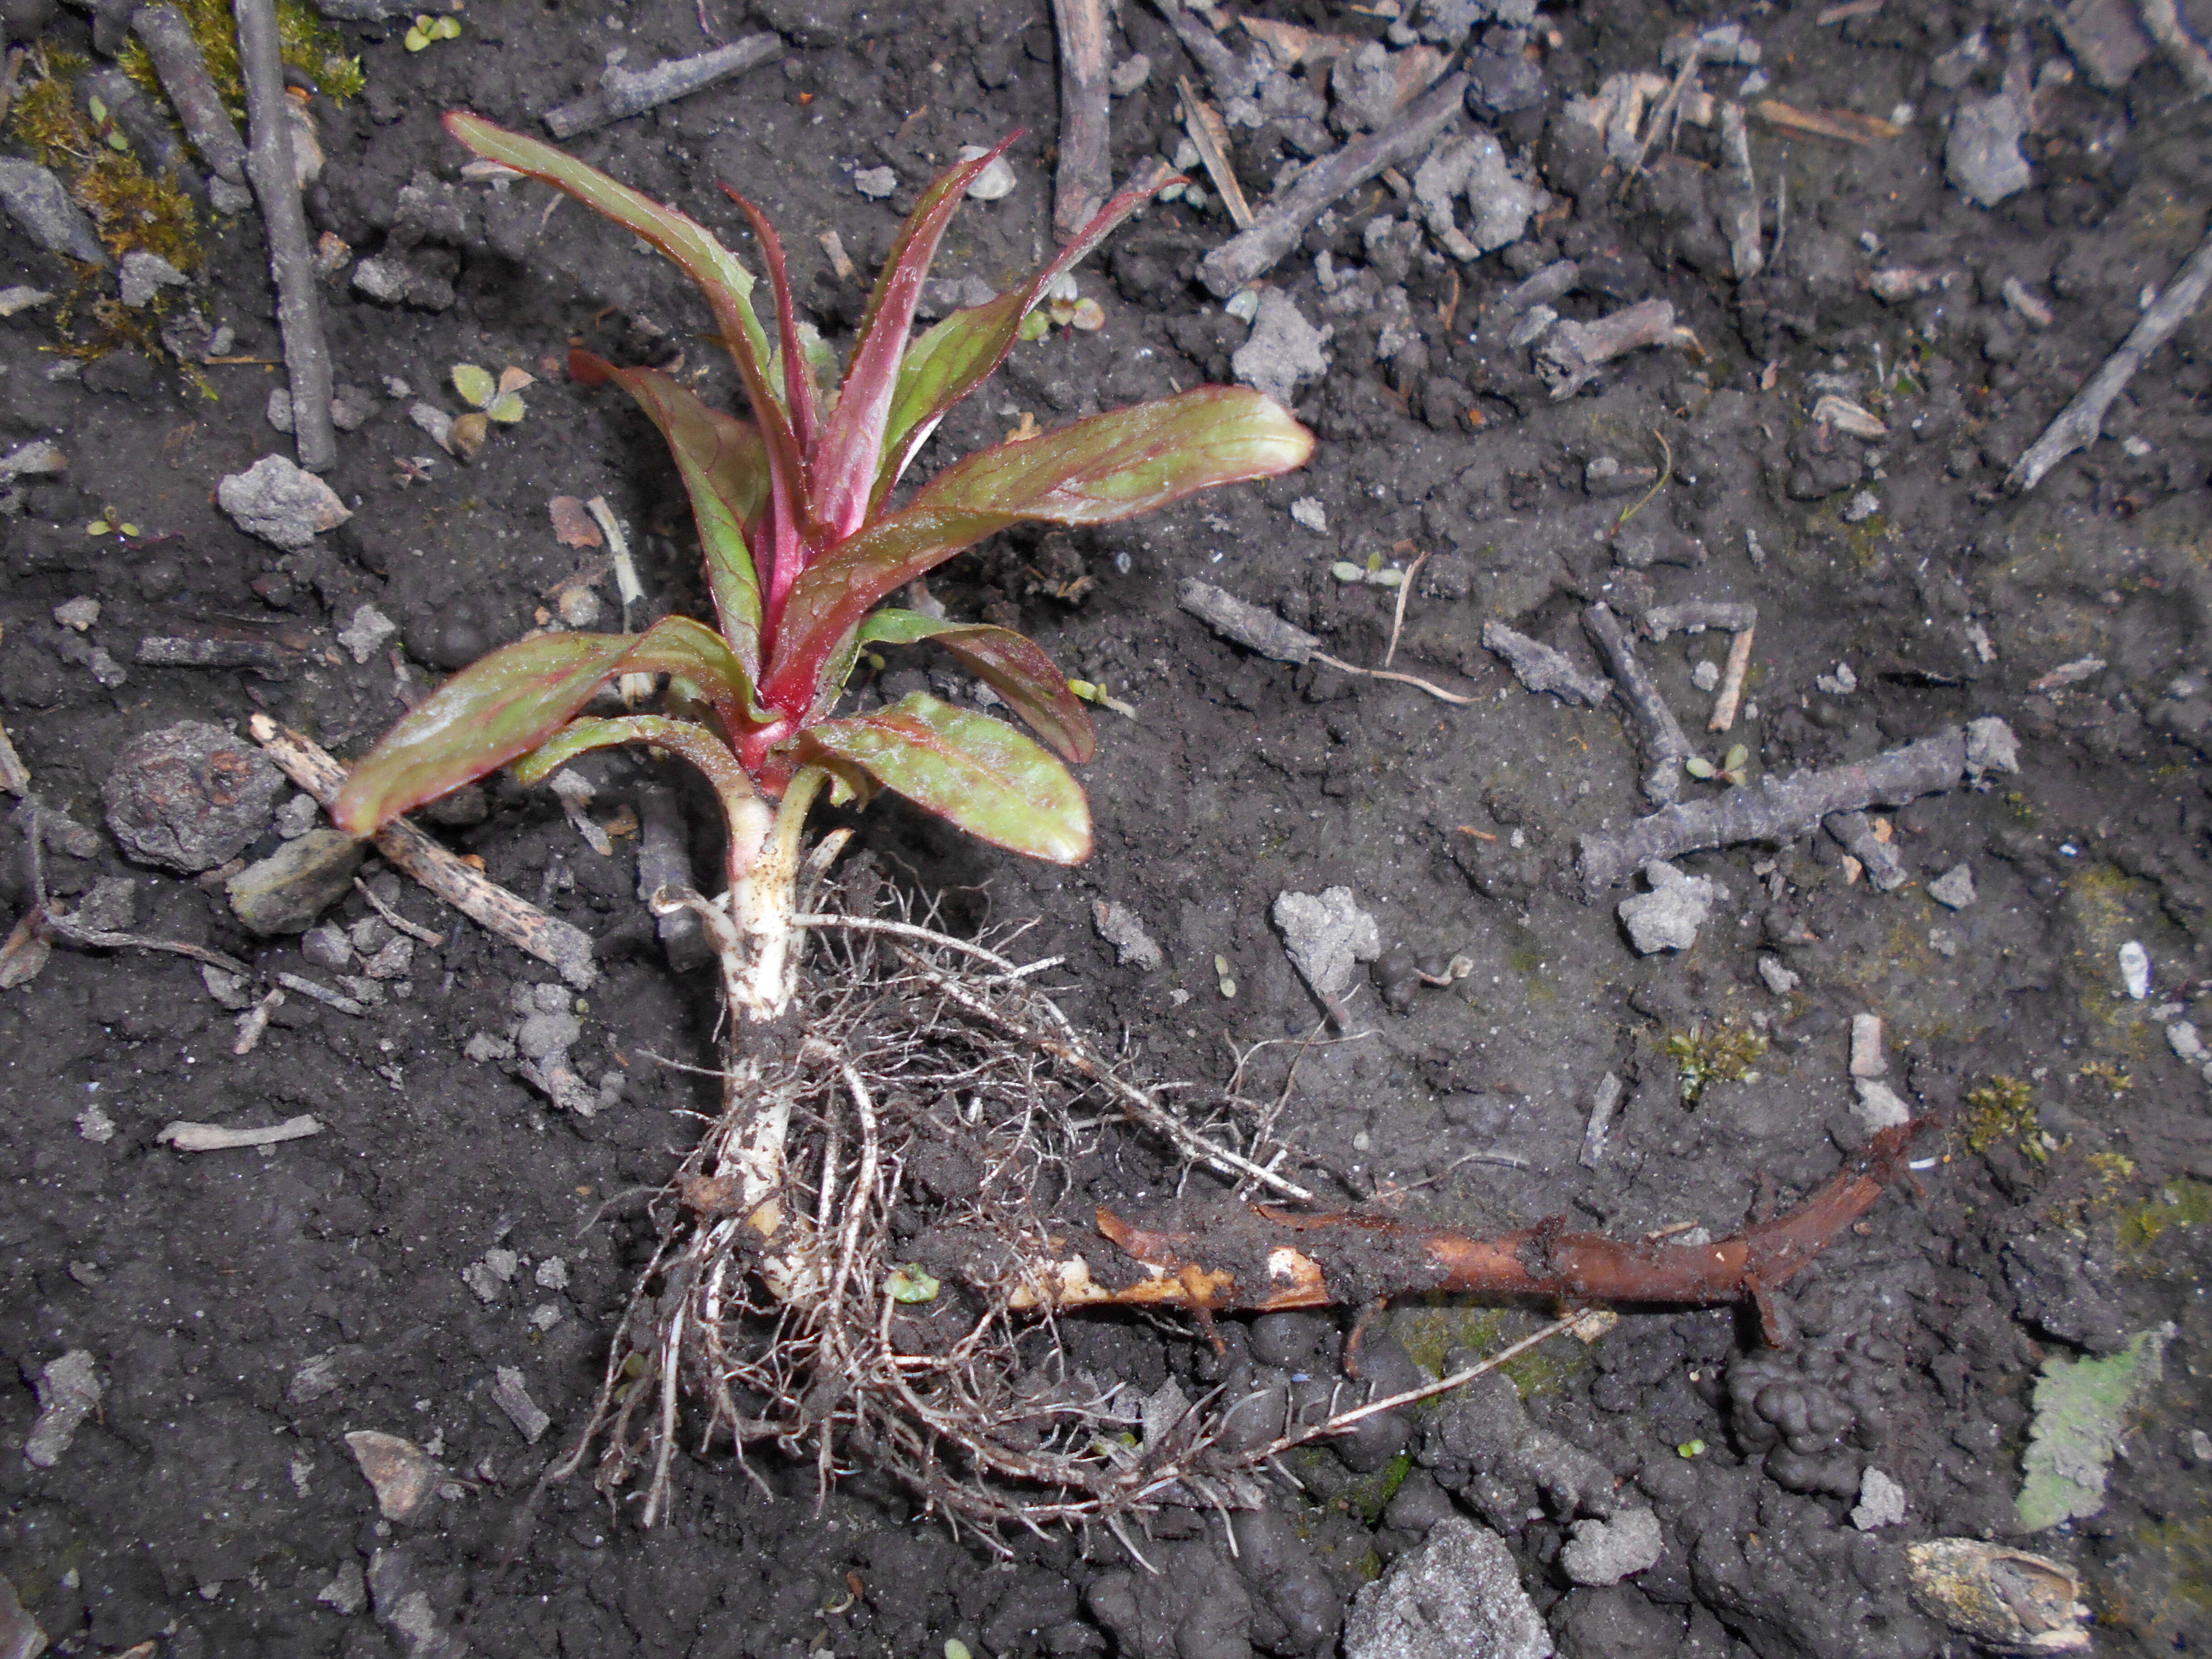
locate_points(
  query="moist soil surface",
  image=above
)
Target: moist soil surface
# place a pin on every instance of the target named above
(245, 1310)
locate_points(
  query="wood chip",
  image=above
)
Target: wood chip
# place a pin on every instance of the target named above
(1210, 135)
(1844, 126)
(212, 1137)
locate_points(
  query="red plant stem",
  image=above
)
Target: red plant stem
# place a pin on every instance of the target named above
(1321, 1261)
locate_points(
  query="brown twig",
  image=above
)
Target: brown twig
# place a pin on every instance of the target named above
(184, 75)
(623, 93)
(1084, 178)
(1398, 613)
(1732, 677)
(1325, 1260)
(291, 256)
(14, 776)
(1209, 134)
(406, 848)
(1278, 225)
(1665, 745)
(2080, 421)
(1781, 808)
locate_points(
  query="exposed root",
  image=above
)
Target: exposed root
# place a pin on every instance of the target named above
(893, 1298)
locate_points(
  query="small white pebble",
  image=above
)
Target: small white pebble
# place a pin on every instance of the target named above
(2135, 969)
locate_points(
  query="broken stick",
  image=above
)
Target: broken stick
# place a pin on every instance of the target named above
(406, 848)
(1782, 809)
(623, 93)
(1278, 225)
(1084, 176)
(1660, 735)
(2079, 423)
(291, 258)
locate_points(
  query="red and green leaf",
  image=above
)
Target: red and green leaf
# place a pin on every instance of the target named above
(952, 359)
(1110, 466)
(842, 468)
(1013, 666)
(798, 376)
(725, 283)
(978, 772)
(694, 743)
(725, 467)
(506, 704)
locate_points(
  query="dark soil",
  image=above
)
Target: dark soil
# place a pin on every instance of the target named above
(247, 1309)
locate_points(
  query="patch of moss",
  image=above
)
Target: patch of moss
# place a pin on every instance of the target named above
(304, 41)
(1999, 1109)
(2185, 1203)
(132, 210)
(1725, 1054)
(1430, 1331)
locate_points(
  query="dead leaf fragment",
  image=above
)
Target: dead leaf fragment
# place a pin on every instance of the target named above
(403, 1475)
(1842, 125)
(572, 522)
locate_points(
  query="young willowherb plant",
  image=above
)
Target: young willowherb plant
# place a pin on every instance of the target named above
(801, 543)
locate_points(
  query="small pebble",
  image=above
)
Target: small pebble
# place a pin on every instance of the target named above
(2135, 969)
(1867, 1058)
(1779, 980)
(876, 183)
(296, 816)
(1308, 512)
(1954, 888)
(326, 948)
(78, 613)
(1707, 675)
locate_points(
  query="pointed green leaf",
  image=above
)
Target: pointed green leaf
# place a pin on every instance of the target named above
(508, 703)
(724, 468)
(475, 384)
(694, 743)
(952, 359)
(726, 285)
(843, 464)
(499, 707)
(1011, 664)
(1111, 466)
(978, 772)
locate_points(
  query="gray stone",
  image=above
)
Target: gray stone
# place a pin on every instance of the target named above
(1991, 746)
(547, 998)
(1326, 936)
(369, 630)
(1668, 917)
(1118, 925)
(1365, 85)
(512, 1395)
(287, 890)
(189, 797)
(2105, 39)
(40, 204)
(112, 906)
(543, 1035)
(1459, 1596)
(274, 500)
(484, 1047)
(1954, 888)
(403, 1607)
(1283, 350)
(1606, 1551)
(1881, 1501)
(297, 816)
(347, 1592)
(391, 959)
(552, 1274)
(69, 1390)
(994, 183)
(1879, 1107)
(21, 1637)
(144, 276)
(877, 184)
(1983, 159)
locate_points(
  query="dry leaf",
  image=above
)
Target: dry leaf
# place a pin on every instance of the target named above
(572, 522)
(468, 434)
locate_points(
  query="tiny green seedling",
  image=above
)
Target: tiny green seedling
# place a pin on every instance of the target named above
(110, 523)
(912, 1283)
(1735, 767)
(426, 28)
(499, 400)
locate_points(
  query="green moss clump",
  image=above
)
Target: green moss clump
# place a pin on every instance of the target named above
(304, 41)
(2185, 1203)
(1727, 1053)
(132, 210)
(1998, 1110)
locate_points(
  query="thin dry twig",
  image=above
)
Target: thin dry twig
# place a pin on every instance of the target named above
(1084, 178)
(291, 256)
(2080, 421)
(1732, 677)
(1398, 613)
(413, 930)
(1209, 135)
(407, 849)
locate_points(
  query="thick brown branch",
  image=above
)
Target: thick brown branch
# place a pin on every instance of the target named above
(1262, 1260)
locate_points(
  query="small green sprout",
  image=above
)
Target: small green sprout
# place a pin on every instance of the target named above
(1371, 573)
(497, 400)
(956, 1649)
(110, 523)
(426, 28)
(1735, 767)
(1725, 1055)
(910, 1283)
(1690, 1449)
(1091, 692)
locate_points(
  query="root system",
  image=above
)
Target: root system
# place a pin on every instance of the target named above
(934, 1104)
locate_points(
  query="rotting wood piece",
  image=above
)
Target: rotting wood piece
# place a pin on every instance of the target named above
(406, 848)
(1262, 1259)
(1084, 177)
